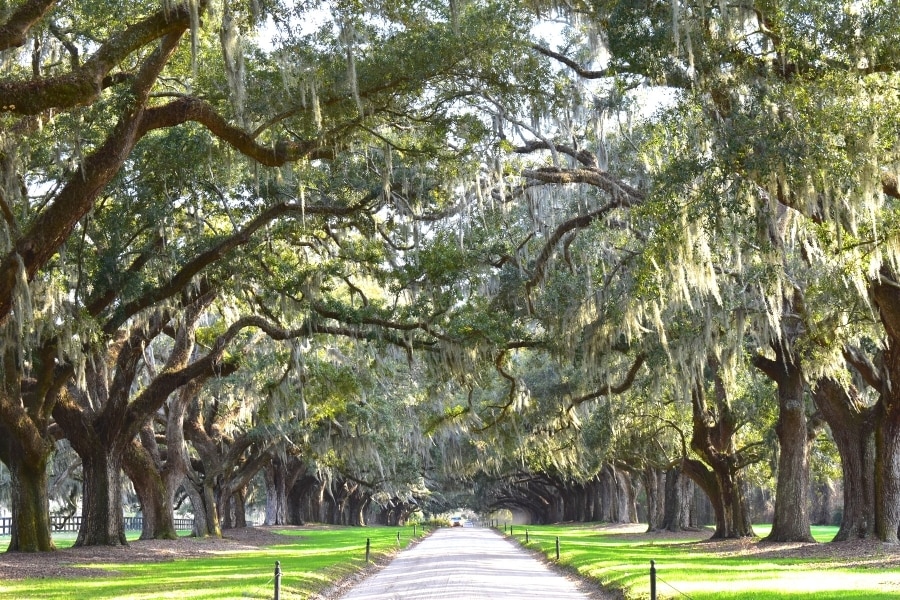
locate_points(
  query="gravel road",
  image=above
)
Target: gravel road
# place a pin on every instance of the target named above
(469, 563)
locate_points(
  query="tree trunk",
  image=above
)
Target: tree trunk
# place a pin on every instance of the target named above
(567, 500)
(158, 521)
(655, 490)
(320, 501)
(239, 509)
(356, 504)
(224, 506)
(597, 512)
(28, 498)
(627, 503)
(206, 515)
(102, 521)
(276, 493)
(791, 519)
(678, 494)
(300, 500)
(280, 476)
(885, 294)
(713, 439)
(823, 502)
(887, 473)
(852, 427)
(25, 449)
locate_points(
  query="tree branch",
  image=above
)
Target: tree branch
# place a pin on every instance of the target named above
(608, 389)
(195, 110)
(217, 252)
(619, 190)
(585, 157)
(54, 225)
(83, 85)
(579, 70)
(13, 32)
(579, 222)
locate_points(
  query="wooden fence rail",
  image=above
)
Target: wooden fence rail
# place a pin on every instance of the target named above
(73, 523)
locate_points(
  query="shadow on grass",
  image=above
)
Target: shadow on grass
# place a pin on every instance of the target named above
(746, 569)
(311, 560)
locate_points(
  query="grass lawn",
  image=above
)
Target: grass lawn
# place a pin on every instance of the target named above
(733, 570)
(311, 559)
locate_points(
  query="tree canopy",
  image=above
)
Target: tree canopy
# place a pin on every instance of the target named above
(393, 252)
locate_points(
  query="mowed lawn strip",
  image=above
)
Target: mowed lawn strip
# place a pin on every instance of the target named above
(620, 558)
(311, 560)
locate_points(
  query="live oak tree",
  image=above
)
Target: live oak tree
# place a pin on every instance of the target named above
(425, 179)
(789, 105)
(157, 71)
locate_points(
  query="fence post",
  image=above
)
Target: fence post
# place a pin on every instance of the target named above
(526, 536)
(510, 531)
(557, 547)
(398, 536)
(368, 547)
(414, 530)
(277, 580)
(652, 580)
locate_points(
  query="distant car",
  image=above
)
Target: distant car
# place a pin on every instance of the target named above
(456, 522)
(468, 523)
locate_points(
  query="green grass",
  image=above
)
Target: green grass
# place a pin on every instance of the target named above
(685, 570)
(66, 539)
(311, 559)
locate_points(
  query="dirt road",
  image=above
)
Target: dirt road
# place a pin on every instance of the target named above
(466, 563)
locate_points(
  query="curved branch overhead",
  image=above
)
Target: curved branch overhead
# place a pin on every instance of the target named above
(14, 31)
(53, 226)
(217, 253)
(84, 84)
(275, 154)
(609, 389)
(617, 189)
(573, 224)
(393, 235)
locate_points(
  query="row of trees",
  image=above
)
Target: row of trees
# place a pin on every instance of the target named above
(418, 242)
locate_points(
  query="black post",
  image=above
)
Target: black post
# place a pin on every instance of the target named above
(557, 547)
(368, 547)
(414, 531)
(526, 536)
(398, 536)
(277, 580)
(652, 580)
(510, 531)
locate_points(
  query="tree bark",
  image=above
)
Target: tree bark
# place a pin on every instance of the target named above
(158, 521)
(713, 440)
(791, 519)
(26, 444)
(852, 427)
(276, 493)
(706, 480)
(280, 477)
(300, 499)
(102, 522)
(886, 296)
(678, 495)
(28, 497)
(206, 515)
(655, 489)
(823, 502)
(887, 455)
